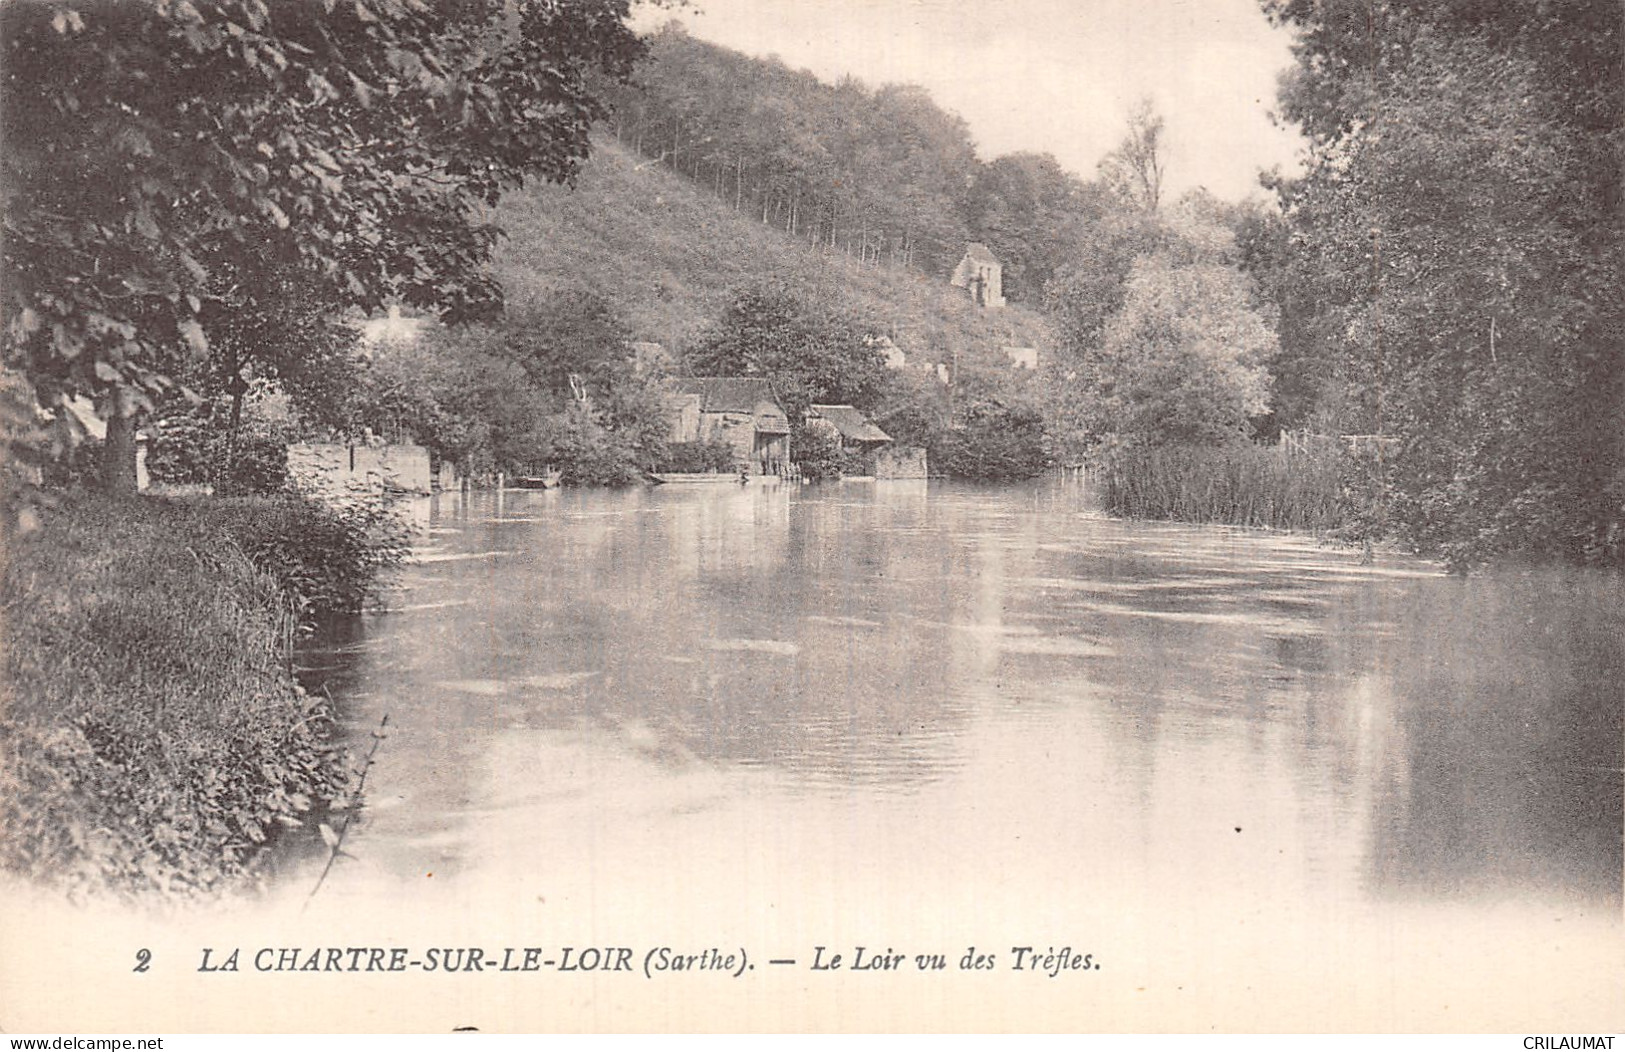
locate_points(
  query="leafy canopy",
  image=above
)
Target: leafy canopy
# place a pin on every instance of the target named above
(1459, 233)
(811, 352)
(152, 145)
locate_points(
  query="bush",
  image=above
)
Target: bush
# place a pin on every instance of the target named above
(190, 447)
(326, 559)
(77, 465)
(596, 457)
(181, 449)
(154, 738)
(711, 455)
(258, 464)
(587, 453)
(996, 444)
(817, 452)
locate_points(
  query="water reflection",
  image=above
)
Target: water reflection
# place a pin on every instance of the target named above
(1016, 666)
(1508, 710)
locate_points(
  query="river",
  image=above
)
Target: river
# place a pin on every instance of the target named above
(1258, 784)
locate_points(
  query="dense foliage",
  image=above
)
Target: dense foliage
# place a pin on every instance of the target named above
(157, 150)
(153, 737)
(1182, 361)
(548, 386)
(994, 443)
(811, 351)
(879, 174)
(193, 445)
(1033, 214)
(1165, 339)
(327, 559)
(817, 452)
(1459, 242)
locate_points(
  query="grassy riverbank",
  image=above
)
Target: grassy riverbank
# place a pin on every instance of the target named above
(152, 736)
(1240, 485)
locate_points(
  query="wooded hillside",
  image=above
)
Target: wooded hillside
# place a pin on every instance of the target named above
(669, 255)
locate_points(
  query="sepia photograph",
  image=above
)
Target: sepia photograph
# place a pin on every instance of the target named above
(812, 516)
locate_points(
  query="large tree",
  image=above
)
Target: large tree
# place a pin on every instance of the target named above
(151, 145)
(569, 341)
(1183, 361)
(811, 350)
(1164, 338)
(1135, 169)
(1460, 226)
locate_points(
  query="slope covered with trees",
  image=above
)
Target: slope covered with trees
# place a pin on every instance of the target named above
(880, 174)
(671, 257)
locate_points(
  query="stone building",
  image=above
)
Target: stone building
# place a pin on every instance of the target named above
(981, 275)
(857, 432)
(742, 411)
(879, 456)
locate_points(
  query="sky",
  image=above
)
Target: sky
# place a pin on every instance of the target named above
(1055, 76)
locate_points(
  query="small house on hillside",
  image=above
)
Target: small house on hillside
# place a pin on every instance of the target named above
(742, 411)
(982, 275)
(895, 359)
(1022, 357)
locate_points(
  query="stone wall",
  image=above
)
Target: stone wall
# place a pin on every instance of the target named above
(685, 417)
(331, 469)
(901, 462)
(736, 429)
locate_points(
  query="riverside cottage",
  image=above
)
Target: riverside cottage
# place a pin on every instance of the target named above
(856, 431)
(742, 411)
(882, 457)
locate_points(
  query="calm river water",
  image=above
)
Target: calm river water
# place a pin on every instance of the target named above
(1261, 785)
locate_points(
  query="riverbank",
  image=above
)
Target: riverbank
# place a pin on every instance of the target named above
(153, 738)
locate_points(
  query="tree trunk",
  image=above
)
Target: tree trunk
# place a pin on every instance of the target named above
(118, 450)
(224, 471)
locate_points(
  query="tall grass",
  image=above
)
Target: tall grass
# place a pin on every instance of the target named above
(152, 737)
(325, 557)
(1242, 485)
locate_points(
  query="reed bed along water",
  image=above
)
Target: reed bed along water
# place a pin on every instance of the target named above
(1241, 485)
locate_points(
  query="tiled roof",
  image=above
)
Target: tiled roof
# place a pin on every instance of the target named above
(851, 423)
(727, 394)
